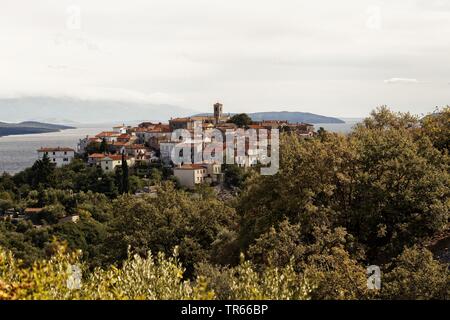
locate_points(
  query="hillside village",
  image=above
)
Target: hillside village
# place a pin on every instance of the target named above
(150, 143)
(119, 190)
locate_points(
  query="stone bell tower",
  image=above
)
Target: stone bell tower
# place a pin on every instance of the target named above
(218, 108)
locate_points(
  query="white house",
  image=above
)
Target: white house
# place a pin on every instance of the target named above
(109, 136)
(59, 156)
(190, 175)
(134, 150)
(170, 151)
(94, 158)
(110, 162)
(120, 129)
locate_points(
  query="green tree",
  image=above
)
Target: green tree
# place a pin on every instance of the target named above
(125, 175)
(172, 218)
(118, 179)
(386, 186)
(41, 171)
(156, 277)
(6, 201)
(136, 184)
(241, 120)
(103, 146)
(52, 213)
(437, 127)
(327, 258)
(415, 275)
(156, 176)
(383, 118)
(235, 176)
(322, 133)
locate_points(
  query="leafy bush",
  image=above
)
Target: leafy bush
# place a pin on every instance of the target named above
(151, 278)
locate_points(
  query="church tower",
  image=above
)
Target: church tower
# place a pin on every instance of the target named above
(218, 108)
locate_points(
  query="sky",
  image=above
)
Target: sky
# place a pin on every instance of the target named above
(335, 58)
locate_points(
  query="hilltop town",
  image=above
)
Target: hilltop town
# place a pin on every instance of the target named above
(375, 197)
(151, 144)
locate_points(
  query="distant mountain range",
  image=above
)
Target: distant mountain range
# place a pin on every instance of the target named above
(292, 117)
(71, 111)
(28, 127)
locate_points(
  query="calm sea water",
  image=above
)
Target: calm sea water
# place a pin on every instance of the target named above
(339, 127)
(19, 152)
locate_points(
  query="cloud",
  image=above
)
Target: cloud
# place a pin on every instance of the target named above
(253, 55)
(95, 94)
(58, 67)
(401, 81)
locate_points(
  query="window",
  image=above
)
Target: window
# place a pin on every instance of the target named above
(54, 153)
(54, 159)
(66, 159)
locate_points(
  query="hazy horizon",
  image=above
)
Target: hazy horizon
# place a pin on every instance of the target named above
(338, 59)
(126, 119)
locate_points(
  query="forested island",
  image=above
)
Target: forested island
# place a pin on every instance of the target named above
(290, 116)
(29, 127)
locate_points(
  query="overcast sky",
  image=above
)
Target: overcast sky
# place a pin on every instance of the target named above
(337, 58)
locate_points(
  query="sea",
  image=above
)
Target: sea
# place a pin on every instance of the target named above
(18, 152)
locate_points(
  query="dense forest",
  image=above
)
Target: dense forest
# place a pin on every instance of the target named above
(379, 195)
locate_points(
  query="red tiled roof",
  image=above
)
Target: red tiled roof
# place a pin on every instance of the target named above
(193, 166)
(102, 156)
(256, 126)
(135, 146)
(154, 128)
(159, 130)
(115, 157)
(97, 155)
(181, 120)
(119, 143)
(107, 134)
(33, 210)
